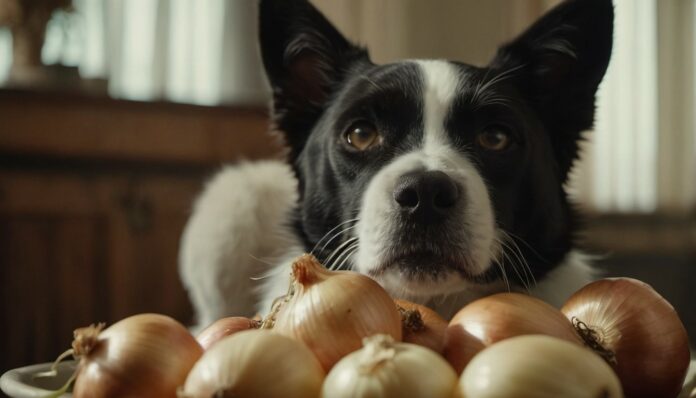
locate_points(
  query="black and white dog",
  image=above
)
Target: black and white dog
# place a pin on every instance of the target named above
(441, 180)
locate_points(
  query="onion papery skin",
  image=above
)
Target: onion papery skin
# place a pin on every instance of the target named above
(432, 332)
(255, 363)
(224, 327)
(332, 311)
(387, 369)
(642, 330)
(538, 366)
(146, 355)
(501, 316)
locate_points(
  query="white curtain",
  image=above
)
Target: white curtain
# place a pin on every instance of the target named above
(193, 51)
(642, 156)
(618, 172)
(200, 52)
(5, 53)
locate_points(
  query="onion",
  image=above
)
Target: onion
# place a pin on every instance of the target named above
(147, 355)
(536, 366)
(498, 317)
(636, 330)
(389, 369)
(331, 311)
(421, 325)
(225, 327)
(255, 363)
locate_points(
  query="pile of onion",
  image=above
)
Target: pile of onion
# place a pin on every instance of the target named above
(636, 330)
(332, 311)
(503, 345)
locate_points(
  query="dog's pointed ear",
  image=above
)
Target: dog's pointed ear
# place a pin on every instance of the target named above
(305, 58)
(560, 61)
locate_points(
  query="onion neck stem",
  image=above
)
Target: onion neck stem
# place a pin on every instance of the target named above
(378, 349)
(411, 320)
(593, 340)
(306, 270)
(53, 372)
(269, 320)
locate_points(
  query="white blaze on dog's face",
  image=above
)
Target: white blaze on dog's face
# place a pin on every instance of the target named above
(473, 235)
(435, 177)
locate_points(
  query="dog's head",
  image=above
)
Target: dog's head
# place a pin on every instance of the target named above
(436, 176)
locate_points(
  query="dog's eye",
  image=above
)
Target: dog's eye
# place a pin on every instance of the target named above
(363, 136)
(494, 138)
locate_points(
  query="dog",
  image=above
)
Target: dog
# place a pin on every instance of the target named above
(442, 181)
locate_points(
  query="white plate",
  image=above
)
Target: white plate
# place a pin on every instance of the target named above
(21, 383)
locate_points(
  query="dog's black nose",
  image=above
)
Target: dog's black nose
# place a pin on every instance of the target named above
(429, 194)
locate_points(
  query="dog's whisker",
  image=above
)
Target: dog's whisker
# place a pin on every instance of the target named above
(501, 267)
(523, 280)
(338, 234)
(485, 84)
(348, 252)
(479, 84)
(504, 75)
(326, 235)
(335, 264)
(520, 255)
(372, 82)
(517, 253)
(501, 264)
(266, 262)
(491, 100)
(340, 248)
(518, 238)
(269, 273)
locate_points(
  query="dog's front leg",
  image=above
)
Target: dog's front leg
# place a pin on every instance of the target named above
(239, 228)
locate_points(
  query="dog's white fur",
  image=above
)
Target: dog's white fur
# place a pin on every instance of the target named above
(237, 228)
(237, 247)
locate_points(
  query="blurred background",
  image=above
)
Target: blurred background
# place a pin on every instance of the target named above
(114, 112)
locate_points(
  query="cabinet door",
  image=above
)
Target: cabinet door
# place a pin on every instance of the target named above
(78, 250)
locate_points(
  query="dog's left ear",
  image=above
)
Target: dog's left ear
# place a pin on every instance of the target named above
(305, 59)
(560, 61)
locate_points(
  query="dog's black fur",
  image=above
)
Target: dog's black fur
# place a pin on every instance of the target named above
(543, 98)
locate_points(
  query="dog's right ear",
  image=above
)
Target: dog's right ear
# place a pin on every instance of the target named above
(305, 59)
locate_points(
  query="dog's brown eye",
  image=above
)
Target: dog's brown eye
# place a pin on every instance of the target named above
(363, 136)
(494, 138)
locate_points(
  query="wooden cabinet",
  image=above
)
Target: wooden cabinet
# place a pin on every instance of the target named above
(94, 194)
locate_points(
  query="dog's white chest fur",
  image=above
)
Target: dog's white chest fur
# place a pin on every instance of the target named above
(238, 245)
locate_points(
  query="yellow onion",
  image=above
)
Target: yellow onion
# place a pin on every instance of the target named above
(636, 330)
(388, 369)
(421, 325)
(538, 366)
(332, 311)
(255, 363)
(146, 355)
(498, 317)
(225, 327)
